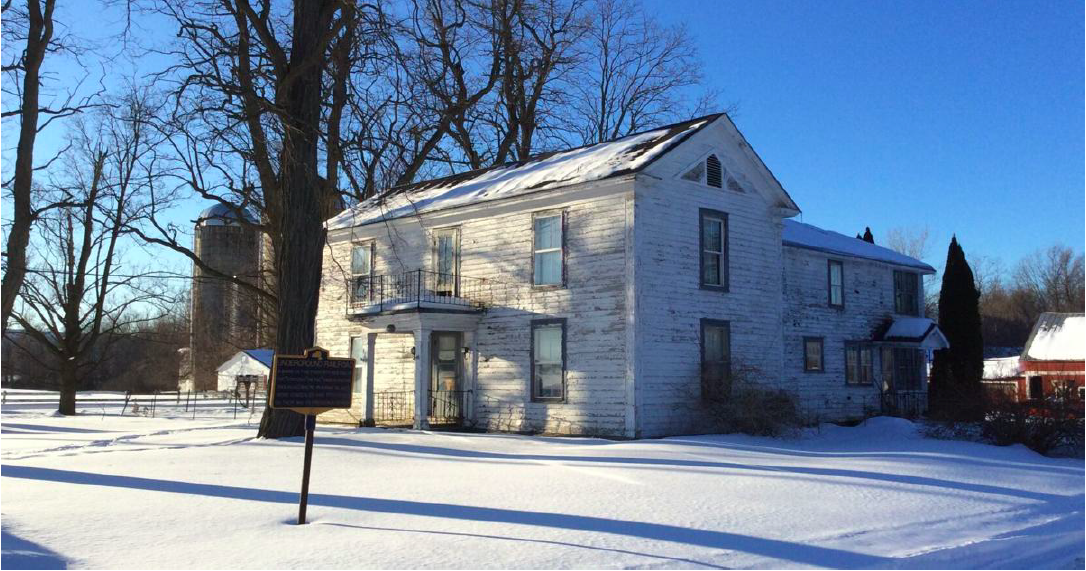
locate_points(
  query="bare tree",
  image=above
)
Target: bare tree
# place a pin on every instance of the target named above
(1053, 280)
(636, 74)
(912, 242)
(79, 292)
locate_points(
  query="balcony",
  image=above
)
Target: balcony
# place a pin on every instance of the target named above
(420, 290)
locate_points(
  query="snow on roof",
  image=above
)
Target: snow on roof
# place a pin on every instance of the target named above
(1001, 368)
(812, 237)
(915, 330)
(1057, 337)
(262, 355)
(627, 155)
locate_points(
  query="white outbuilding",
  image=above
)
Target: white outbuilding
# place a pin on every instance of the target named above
(251, 365)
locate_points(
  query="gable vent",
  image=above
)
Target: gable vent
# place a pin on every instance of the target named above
(713, 174)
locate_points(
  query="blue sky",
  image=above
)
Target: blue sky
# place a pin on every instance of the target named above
(965, 117)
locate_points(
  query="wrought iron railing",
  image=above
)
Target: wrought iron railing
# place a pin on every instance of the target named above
(420, 288)
(393, 406)
(905, 404)
(447, 407)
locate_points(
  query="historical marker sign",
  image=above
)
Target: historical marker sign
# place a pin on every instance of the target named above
(312, 383)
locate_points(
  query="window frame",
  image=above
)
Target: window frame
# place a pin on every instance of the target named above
(821, 354)
(562, 250)
(860, 347)
(725, 258)
(901, 276)
(372, 245)
(830, 264)
(434, 256)
(726, 326)
(532, 386)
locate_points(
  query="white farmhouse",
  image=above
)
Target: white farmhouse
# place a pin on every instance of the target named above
(613, 290)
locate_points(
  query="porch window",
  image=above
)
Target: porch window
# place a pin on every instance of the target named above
(901, 366)
(548, 359)
(714, 250)
(362, 272)
(359, 348)
(715, 359)
(812, 354)
(547, 250)
(906, 290)
(446, 260)
(859, 366)
(836, 283)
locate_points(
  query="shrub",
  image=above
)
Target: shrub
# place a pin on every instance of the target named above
(754, 410)
(1046, 426)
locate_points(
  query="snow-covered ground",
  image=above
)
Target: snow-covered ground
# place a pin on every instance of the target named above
(105, 491)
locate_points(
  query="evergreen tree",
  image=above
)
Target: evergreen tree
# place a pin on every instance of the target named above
(955, 389)
(868, 236)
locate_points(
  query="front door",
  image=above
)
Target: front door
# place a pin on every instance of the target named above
(445, 376)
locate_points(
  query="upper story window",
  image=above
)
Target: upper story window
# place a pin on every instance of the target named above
(836, 283)
(548, 245)
(362, 271)
(710, 171)
(714, 249)
(446, 261)
(715, 359)
(906, 293)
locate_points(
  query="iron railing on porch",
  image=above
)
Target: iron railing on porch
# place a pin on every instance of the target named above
(398, 407)
(906, 404)
(420, 288)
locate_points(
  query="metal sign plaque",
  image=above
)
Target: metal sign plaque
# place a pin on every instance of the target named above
(311, 383)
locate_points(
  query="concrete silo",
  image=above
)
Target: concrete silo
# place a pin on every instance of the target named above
(225, 316)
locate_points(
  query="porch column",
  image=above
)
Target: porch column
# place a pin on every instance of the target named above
(422, 378)
(371, 343)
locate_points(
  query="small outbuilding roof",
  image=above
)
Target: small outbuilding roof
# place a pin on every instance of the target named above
(262, 355)
(1057, 337)
(1001, 368)
(811, 237)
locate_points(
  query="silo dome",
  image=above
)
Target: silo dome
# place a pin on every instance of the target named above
(221, 215)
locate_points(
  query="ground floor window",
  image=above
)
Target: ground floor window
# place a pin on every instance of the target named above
(812, 354)
(859, 369)
(715, 359)
(358, 353)
(548, 359)
(901, 368)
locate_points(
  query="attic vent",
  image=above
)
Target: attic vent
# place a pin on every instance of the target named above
(695, 173)
(714, 176)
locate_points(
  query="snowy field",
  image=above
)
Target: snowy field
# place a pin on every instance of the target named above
(105, 491)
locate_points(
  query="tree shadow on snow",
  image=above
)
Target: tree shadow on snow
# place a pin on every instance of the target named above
(18, 553)
(678, 462)
(773, 548)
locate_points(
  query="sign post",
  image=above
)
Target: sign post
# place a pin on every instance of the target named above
(310, 384)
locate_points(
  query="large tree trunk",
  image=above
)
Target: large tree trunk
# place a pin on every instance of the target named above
(69, 383)
(39, 35)
(302, 199)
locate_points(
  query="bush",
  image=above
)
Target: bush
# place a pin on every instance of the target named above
(1046, 426)
(757, 411)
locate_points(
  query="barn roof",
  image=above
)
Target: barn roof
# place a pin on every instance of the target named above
(810, 237)
(627, 155)
(1057, 337)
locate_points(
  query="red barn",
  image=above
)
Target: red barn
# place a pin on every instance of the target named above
(1053, 361)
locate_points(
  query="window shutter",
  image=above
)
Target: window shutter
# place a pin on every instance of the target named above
(713, 172)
